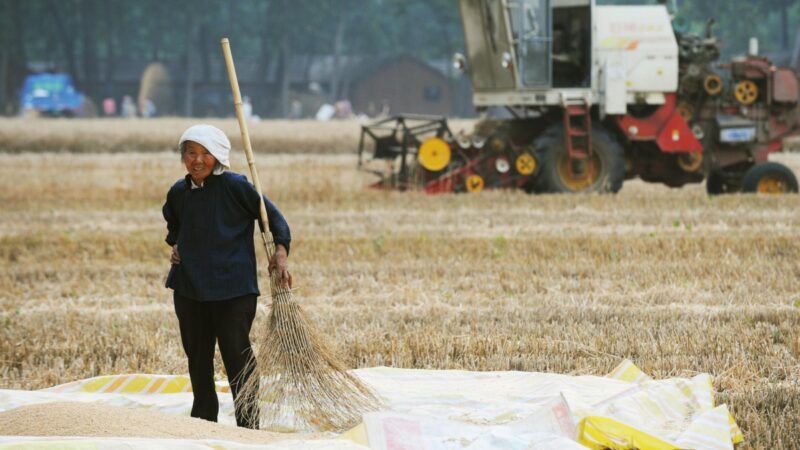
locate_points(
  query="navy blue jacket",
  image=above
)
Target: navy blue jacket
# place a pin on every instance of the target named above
(213, 227)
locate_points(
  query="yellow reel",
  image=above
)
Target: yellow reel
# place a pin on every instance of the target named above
(474, 183)
(434, 154)
(525, 164)
(746, 92)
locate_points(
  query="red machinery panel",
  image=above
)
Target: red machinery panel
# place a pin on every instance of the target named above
(784, 86)
(665, 126)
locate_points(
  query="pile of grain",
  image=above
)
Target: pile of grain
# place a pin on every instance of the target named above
(95, 419)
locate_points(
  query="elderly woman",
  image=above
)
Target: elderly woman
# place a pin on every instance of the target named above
(210, 215)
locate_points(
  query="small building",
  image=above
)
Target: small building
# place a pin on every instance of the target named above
(404, 84)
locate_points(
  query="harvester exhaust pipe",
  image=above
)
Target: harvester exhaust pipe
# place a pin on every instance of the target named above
(709, 24)
(753, 47)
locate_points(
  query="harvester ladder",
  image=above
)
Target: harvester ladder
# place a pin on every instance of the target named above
(577, 128)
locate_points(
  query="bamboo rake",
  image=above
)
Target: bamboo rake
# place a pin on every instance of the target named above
(248, 148)
(298, 382)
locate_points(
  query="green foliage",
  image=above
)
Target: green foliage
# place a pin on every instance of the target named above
(736, 21)
(91, 38)
(499, 246)
(378, 243)
(764, 21)
(428, 29)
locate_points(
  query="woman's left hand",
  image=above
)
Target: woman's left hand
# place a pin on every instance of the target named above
(280, 262)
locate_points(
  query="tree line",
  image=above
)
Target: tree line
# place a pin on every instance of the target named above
(89, 38)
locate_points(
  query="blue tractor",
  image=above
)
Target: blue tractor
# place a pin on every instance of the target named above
(50, 94)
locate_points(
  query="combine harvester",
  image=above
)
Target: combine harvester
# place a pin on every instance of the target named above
(598, 95)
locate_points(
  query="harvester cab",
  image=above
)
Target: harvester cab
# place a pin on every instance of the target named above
(558, 51)
(601, 94)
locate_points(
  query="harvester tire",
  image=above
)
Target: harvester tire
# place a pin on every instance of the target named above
(746, 92)
(769, 178)
(608, 163)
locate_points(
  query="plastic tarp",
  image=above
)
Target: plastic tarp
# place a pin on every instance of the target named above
(437, 409)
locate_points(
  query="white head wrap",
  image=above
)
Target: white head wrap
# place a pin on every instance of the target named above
(214, 140)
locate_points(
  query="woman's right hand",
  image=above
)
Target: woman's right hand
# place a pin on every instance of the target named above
(175, 258)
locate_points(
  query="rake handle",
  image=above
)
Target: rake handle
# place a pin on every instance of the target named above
(248, 148)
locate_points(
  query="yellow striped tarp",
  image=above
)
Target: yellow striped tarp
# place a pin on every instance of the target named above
(133, 384)
(665, 404)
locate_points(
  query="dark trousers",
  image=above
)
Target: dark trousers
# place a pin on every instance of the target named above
(202, 325)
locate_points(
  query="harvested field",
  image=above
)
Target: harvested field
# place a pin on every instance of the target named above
(676, 281)
(116, 135)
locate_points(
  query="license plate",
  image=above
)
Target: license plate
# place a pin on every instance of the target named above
(737, 134)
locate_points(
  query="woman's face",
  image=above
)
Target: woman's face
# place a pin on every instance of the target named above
(199, 162)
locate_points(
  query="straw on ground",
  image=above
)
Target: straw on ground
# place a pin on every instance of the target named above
(678, 282)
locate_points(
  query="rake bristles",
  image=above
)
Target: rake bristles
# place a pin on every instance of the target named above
(299, 383)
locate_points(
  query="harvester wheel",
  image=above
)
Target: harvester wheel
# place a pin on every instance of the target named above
(604, 172)
(746, 92)
(501, 165)
(769, 178)
(525, 164)
(474, 183)
(712, 84)
(690, 162)
(434, 154)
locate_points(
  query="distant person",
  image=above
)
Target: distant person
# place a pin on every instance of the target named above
(296, 110)
(325, 112)
(372, 110)
(109, 107)
(148, 109)
(210, 216)
(344, 110)
(385, 108)
(128, 108)
(247, 108)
